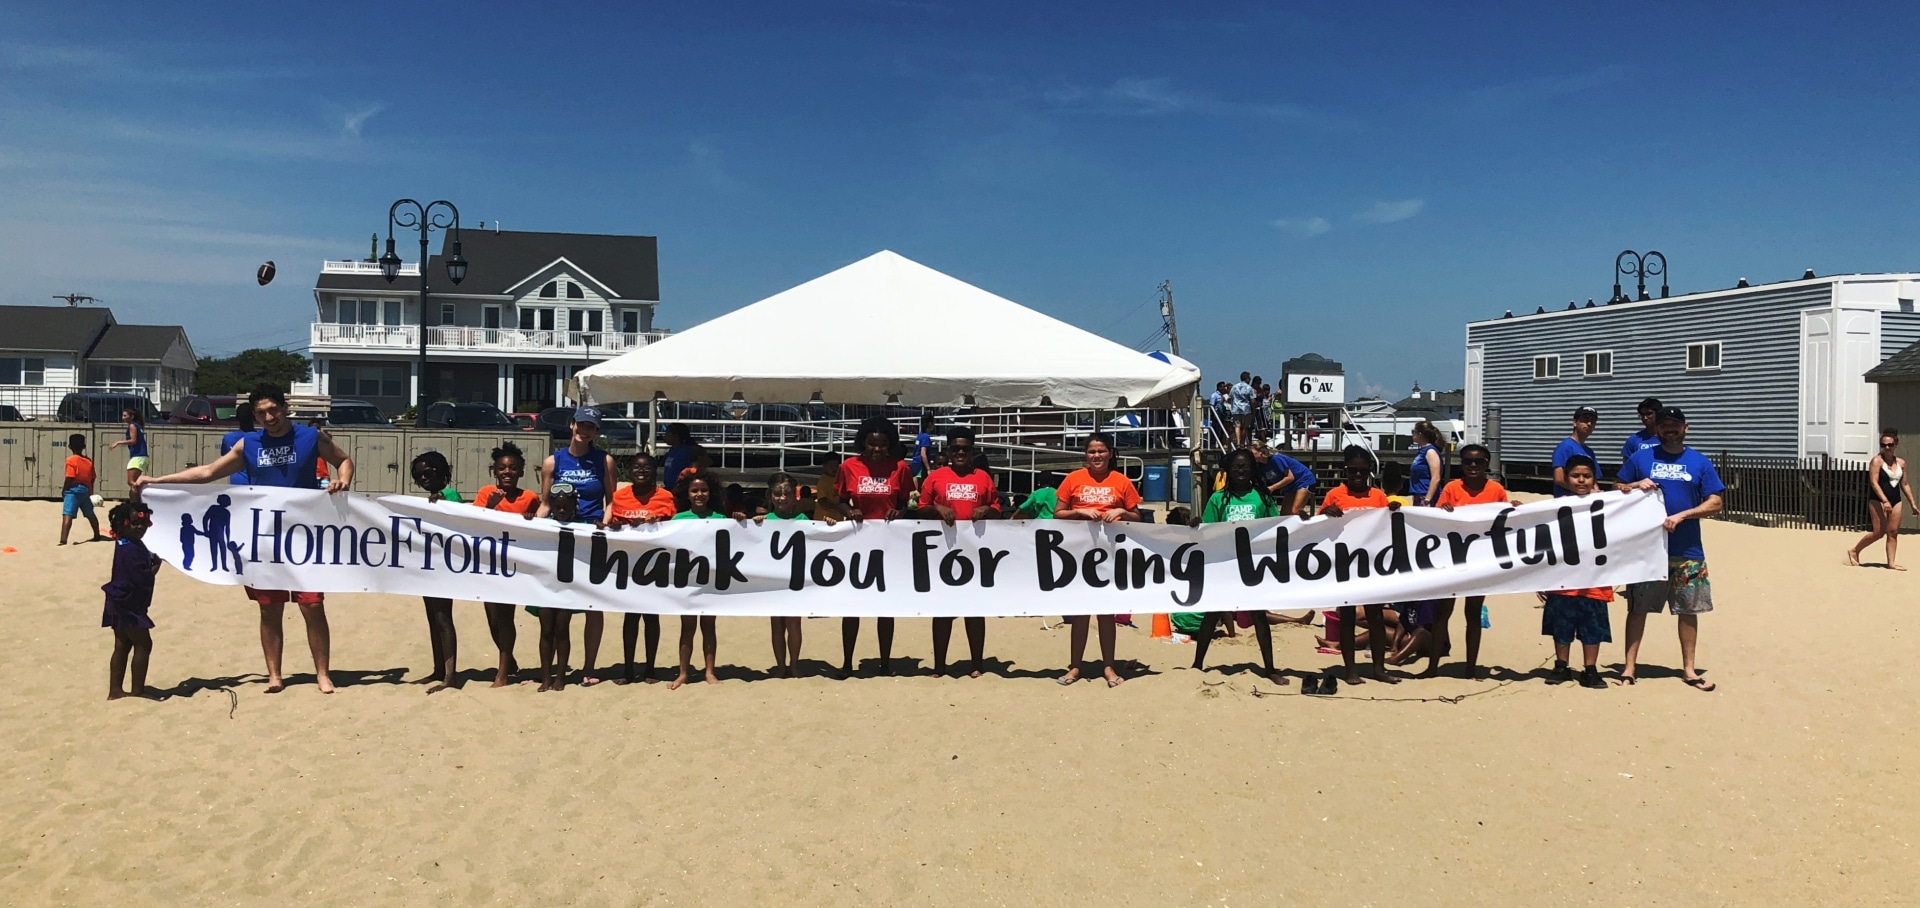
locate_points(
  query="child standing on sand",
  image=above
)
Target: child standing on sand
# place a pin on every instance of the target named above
(696, 493)
(76, 490)
(129, 594)
(1576, 613)
(783, 503)
(434, 476)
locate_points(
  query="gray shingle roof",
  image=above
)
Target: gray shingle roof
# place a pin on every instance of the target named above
(627, 265)
(136, 342)
(1902, 366)
(51, 328)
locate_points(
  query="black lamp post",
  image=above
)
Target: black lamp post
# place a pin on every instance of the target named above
(1643, 267)
(408, 214)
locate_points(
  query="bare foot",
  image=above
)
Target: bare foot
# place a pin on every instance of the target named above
(1353, 677)
(438, 688)
(1853, 557)
(886, 667)
(1279, 680)
(1381, 675)
(1894, 567)
(116, 694)
(276, 685)
(1433, 671)
(326, 684)
(712, 678)
(678, 682)
(436, 676)
(500, 679)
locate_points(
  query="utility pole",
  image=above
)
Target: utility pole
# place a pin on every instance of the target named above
(75, 299)
(1166, 317)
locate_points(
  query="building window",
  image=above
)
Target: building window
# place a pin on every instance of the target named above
(574, 292)
(548, 292)
(19, 371)
(1546, 368)
(446, 313)
(630, 322)
(369, 312)
(576, 319)
(596, 320)
(348, 312)
(368, 381)
(392, 312)
(490, 317)
(1703, 357)
(536, 319)
(1599, 362)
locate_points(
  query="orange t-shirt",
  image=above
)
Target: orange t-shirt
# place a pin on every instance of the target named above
(525, 504)
(80, 469)
(1456, 494)
(1602, 593)
(1348, 501)
(628, 509)
(1079, 490)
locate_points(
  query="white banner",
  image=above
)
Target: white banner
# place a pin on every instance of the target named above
(273, 538)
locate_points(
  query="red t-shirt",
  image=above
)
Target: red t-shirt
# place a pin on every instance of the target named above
(1456, 494)
(628, 509)
(80, 470)
(961, 493)
(874, 495)
(526, 503)
(1348, 501)
(1080, 490)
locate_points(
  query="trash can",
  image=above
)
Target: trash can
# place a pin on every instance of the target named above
(1154, 484)
(1183, 483)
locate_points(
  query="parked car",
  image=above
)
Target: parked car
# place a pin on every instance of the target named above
(104, 406)
(206, 410)
(445, 415)
(10, 413)
(555, 421)
(354, 413)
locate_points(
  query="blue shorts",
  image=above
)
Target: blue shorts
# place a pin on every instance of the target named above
(76, 501)
(1568, 617)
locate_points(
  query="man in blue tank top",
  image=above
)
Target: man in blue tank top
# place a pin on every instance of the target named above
(280, 454)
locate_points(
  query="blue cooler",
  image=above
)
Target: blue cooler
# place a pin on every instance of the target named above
(1183, 484)
(1154, 484)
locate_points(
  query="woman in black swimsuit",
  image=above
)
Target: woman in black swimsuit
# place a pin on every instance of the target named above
(1886, 480)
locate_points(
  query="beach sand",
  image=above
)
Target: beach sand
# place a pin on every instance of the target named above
(1793, 783)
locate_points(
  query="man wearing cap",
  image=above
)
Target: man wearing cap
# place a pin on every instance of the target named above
(1648, 436)
(1584, 419)
(1692, 490)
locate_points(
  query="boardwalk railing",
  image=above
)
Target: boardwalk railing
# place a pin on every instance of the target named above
(1816, 493)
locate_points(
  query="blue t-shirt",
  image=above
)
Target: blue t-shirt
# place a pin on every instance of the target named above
(139, 446)
(290, 461)
(1568, 448)
(1637, 442)
(1241, 398)
(1279, 465)
(1685, 479)
(678, 459)
(227, 442)
(588, 475)
(1420, 476)
(920, 441)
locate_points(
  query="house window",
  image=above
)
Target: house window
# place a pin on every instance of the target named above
(446, 313)
(1599, 362)
(630, 322)
(392, 312)
(1703, 357)
(348, 312)
(574, 292)
(576, 319)
(536, 319)
(547, 292)
(19, 371)
(113, 375)
(490, 317)
(1546, 368)
(368, 381)
(596, 320)
(369, 312)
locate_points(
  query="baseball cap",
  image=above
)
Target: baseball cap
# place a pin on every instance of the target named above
(1587, 413)
(1672, 413)
(587, 414)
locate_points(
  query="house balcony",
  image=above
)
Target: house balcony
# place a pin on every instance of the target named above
(451, 338)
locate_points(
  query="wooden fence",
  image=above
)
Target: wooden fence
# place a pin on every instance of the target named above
(1817, 493)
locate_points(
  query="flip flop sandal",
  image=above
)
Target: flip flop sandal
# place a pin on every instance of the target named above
(1702, 684)
(1624, 681)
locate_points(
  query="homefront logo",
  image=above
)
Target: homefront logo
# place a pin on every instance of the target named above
(216, 528)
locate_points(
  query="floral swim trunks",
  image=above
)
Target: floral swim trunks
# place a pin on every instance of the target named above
(1686, 591)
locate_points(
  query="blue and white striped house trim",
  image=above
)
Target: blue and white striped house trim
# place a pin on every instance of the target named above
(1773, 370)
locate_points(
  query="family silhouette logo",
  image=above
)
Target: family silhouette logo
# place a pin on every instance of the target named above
(216, 527)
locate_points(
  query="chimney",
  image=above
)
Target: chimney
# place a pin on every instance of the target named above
(1808, 276)
(373, 247)
(1742, 283)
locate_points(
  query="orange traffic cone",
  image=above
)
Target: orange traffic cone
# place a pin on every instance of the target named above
(1162, 627)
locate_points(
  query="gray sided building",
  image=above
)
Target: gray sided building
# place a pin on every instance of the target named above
(1776, 370)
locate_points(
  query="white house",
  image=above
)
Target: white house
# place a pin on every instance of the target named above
(533, 309)
(47, 352)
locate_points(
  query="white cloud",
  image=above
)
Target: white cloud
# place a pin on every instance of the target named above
(356, 119)
(1304, 227)
(1390, 212)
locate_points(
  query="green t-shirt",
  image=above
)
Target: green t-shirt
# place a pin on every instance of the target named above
(689, 515)
(1188, 622)
(450, 494)
(1041, 503)
(797, 515)
(1224, 507)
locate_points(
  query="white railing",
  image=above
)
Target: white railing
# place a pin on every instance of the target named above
(469, 338)
(361, 267)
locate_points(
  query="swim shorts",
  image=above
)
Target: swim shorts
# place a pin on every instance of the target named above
(76, 501)
(281, 597)
(140, 463)
(1686, 591)
(1567, 618)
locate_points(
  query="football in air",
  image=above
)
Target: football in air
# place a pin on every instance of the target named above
(265, 274)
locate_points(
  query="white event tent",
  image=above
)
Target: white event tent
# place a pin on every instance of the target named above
(886, 329)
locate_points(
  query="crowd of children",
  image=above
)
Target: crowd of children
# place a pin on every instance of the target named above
(578, 484)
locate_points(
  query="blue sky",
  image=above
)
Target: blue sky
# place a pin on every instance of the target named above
(1356, 180)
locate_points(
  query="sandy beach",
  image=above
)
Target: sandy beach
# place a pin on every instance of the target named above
(1790, 784)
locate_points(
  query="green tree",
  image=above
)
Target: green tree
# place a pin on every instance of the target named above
(241, 372)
